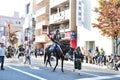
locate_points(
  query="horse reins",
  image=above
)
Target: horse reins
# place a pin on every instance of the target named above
(60, 49)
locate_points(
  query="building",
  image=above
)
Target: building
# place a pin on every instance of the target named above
(63, 17)
(69, 16)
(54, 14)
(88, 36)
(29, 25)
(42, 22)
(16, 24)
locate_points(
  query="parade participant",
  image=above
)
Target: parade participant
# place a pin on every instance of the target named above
(2, 54)
(28, 55)
(56, 39)
(78, 58)
(21, 52)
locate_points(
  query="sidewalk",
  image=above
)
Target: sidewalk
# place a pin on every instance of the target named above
(88, 64)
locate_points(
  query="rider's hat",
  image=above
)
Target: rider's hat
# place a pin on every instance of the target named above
(57, 31)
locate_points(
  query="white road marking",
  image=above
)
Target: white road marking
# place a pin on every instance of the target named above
(90, 74)
(33, 67)
(100, 77)
(29, 74)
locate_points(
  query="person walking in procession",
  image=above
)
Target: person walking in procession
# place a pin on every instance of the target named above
(2, 54)
(78, 58)
(21, 52)
(28, 55)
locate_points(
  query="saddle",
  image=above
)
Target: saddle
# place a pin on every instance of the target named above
(52, 48)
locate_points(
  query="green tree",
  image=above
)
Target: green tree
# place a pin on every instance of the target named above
(109, 20)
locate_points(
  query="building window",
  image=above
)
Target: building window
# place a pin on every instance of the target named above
(19, 22)
(44, 29)
(27, 8)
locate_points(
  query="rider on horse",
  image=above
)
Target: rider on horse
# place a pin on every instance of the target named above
(56, 39)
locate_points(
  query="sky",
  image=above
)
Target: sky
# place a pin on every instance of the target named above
(8, 7)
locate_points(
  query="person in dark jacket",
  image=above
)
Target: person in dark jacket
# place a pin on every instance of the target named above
(21, 52)
(56, 39)
(117, 64)
(78, 58)
(57, 36)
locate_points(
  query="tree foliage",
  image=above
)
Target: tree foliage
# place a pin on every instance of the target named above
(109, 19)
(12, 37)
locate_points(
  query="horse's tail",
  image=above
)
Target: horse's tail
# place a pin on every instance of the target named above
(46, 53)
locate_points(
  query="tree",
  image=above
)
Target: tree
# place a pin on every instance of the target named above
(12, 37)
(109, 20)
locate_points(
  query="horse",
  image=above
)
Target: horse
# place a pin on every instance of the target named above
(59, 53)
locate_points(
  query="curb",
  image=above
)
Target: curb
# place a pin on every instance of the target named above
(88, 64)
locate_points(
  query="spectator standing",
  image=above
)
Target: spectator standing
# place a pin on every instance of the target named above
(95, 55)
(89, 58)
(83, 51)
(2, 54)
(117, 64)
(109, 61)
(101, 56)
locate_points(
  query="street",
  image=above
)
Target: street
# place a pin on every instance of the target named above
(38, 71)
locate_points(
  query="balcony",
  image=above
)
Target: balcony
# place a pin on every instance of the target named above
(41, 39)
(39, 25)
(38, 1)
(40, 11)
(61, 16)
(56, 2)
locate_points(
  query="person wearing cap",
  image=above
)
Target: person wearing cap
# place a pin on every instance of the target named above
(2, 54)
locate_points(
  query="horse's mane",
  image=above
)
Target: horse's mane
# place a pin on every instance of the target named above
(65, 48)
(48, 47)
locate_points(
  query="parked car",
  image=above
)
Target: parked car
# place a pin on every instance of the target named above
(40, 52)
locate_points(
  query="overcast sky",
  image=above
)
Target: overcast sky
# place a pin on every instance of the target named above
(7, 7)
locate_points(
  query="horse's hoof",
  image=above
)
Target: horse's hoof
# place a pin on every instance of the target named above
(62, 70)
(53, 70)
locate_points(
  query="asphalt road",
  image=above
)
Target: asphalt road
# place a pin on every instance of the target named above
(37, 71)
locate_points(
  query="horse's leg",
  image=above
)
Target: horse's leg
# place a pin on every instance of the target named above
(49, 60)
(62, 64)
(50, 64)
(56, 64)
(46, 62)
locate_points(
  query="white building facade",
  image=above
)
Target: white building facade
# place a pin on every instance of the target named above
(29, 25)
(87, 36)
